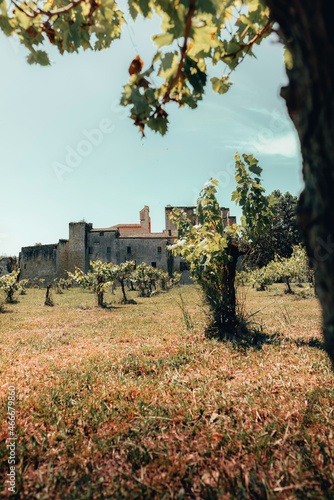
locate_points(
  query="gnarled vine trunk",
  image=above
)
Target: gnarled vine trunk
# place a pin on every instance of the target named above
(306, 29)
(100, 291)
(220, 295)
(121, 280)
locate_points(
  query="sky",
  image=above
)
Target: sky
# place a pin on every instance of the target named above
(69, 151)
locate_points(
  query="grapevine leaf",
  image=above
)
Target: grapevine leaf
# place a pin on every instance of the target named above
(221, 85)
(158, 125)
(38, 57)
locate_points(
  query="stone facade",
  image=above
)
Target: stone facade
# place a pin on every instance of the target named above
(7, 265)
(114, 244)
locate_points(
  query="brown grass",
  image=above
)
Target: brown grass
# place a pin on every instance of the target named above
(127, 402)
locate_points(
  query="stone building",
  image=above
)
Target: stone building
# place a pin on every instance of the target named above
(7, 265)
(114, 244)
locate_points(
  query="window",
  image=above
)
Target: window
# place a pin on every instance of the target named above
(128, 250)
(169, 232)
(184, 266)
(159, 249)
(108, 249)
(153, 264)
(25, 266)
(101, 233)
(90, 251)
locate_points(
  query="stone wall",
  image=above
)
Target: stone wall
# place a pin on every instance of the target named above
(143, 249)
(39, 261)
(7, 265)
(77, 246)
(228, 219)
(145, 219)
(152, 251)
(108, 246)
(170, 227)
(62, 259)
(103, 245)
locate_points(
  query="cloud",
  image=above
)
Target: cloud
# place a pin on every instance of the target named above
(262, 111)
(286, 145)
(267, 143)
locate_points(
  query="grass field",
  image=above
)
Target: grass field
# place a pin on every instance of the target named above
(126, 402)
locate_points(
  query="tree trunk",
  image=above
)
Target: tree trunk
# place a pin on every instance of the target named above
(48, 299)
(221, 296)
(170, 261)
(100, 299)
(306, 29)
(100, 291)
(10, 297)
(287, 281)
(123, 290)
(142, 288)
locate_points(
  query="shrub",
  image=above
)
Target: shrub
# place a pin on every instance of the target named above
(148, 278)
(9, 285)
(212, 248)
(294, 268)
(24, 283)
(98, 279)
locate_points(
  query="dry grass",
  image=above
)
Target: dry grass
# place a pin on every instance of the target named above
(126, 402)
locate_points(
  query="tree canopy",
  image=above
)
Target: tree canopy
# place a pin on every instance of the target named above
(282, 235)
(195, 34)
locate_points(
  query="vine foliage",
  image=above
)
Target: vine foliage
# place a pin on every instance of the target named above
(194, 34)
(212, 248)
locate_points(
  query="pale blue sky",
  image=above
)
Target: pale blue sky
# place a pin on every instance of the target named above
(46, 113)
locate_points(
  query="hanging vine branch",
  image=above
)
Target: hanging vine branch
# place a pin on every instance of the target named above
(191, 11)
(33, 13)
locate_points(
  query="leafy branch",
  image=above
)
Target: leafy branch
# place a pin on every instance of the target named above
(40, 12)
(191, 11)
(247, 46)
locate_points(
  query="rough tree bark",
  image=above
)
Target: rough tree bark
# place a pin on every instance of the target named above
(100, 291)
(121, 280)
(306, 29)
(220, 295)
